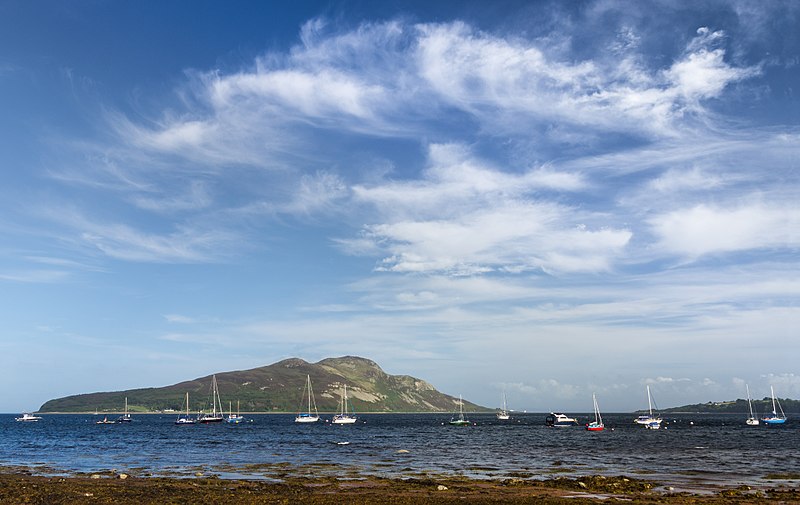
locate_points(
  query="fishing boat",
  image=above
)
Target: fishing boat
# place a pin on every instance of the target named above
(216, 415)
(502, 414)
(597, 424)
(234, 419)
(752, 420)
(343, 417)
(459, 420)
(185, 419)
(125, 417)
(649, 421)
(309, 416)
(560, 420)
(28, 417)
(775, 418)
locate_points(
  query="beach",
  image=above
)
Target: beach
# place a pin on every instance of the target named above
(20, 486)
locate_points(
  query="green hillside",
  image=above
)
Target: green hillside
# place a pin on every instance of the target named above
(739, 406)
(278, 388)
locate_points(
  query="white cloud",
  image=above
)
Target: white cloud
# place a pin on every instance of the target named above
(489, 76)
(705, 229)
(35, 276)
(464, 218)
(177, 318)
(185, 243)
(693, 179)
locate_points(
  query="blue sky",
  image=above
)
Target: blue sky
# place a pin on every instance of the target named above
(555, 198)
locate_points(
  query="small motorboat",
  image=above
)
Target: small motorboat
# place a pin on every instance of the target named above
(27, 417)
(560, 420)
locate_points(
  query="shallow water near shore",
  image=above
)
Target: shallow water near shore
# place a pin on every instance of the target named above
(693, 451)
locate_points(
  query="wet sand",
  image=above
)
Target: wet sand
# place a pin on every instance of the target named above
(18, 486)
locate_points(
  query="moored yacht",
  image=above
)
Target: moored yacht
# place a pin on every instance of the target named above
(775, 418)
(560, 420)
(649, 421)
(27, 417)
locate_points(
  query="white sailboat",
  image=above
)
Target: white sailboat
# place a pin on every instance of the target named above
(649, 421)
(125, 417)
(597, 425)
(343, 417)
(216, 414)
(308, 416)
(185, 419)
(460, 420)
(752, 420)
(774, 418)
(502, 415)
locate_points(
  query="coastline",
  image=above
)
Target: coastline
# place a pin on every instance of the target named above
(23, 485)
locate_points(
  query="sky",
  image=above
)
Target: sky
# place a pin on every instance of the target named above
(549, 198)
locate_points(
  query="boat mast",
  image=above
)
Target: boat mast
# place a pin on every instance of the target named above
(774, 412)
(215, 396)
(309, 392)
(749, 402)
(649, 402)
(597, 418)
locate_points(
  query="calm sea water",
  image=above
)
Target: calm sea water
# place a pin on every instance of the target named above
(693, 449)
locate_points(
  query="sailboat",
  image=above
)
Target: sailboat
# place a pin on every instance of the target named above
(649, 421)
(502, 415)
(234, 419)
(216, 415)
(343, 417)
(125, 418)
(460, 420)
(597, 425)
(307, 416)
(185, 419)
(752, 420)
(775, 418)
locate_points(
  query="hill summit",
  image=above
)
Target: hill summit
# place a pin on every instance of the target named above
(278, 388)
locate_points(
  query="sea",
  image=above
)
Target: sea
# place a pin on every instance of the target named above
(691, 452)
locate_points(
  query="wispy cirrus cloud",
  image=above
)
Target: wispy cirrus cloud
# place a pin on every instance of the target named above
(396, 79)
(485, 76)
(121, 241)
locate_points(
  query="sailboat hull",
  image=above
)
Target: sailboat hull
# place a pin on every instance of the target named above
(595, 427)
(774, 420)
(339, 419)
(306, 419)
